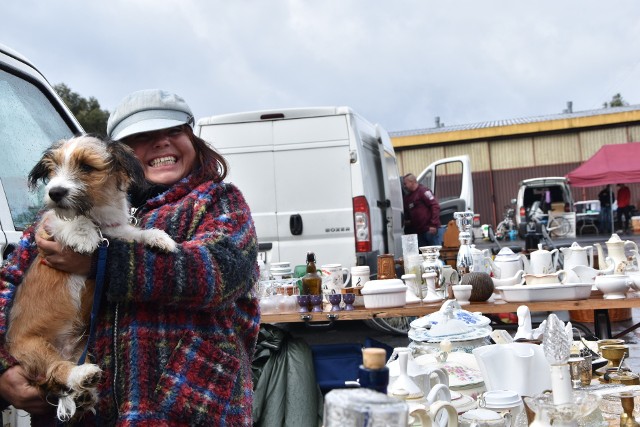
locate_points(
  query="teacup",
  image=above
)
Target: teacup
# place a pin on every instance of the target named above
(546, 279)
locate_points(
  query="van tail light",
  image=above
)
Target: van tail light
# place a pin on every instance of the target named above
(523, 212)
(362, 224)
(567, 207)
(476, 220)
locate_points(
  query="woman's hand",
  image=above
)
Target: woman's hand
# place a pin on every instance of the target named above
(18, 391)
(56, 256)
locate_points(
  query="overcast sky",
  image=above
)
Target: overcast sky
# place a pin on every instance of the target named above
(399, 63)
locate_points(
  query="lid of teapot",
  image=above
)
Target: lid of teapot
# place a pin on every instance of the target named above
(614, 239)
(506, 254)
(481, 414)
(575, 246)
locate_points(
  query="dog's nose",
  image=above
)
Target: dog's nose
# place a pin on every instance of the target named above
(57, 193)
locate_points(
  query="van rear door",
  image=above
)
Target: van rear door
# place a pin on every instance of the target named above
(451, 181)
(393, 193)
(295, 175)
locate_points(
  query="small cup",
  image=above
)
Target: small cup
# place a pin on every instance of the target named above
(303, 302)
(349, 299)
(462, 293)
(335, 299)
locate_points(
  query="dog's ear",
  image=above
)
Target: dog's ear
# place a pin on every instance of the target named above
(42, 169)
(126, 166)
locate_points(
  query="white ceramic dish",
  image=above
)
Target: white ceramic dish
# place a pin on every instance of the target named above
(425, 335)
(476, 320)
(552, 292)
(384, 293)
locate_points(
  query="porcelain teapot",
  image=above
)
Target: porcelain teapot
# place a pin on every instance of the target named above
(507, 263)
(482, 262)
(577, 255)
(543, 261)
(615, 253)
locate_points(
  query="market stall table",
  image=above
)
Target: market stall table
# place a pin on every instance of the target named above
(600, 307)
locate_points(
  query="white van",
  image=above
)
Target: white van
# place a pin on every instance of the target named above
(317, 179)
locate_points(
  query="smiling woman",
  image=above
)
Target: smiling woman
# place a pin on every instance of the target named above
(165, 316)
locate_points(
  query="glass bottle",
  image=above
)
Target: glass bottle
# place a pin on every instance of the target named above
(373, 373)
(311, 281)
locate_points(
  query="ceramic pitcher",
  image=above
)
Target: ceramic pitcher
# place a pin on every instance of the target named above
(577, 255)
(615, 251)
(482, 262)
(508, 264)
(543, 261)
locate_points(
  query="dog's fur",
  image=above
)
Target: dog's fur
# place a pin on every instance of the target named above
(85, 194)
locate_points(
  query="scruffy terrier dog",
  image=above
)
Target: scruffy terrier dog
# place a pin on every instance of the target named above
(85, 194)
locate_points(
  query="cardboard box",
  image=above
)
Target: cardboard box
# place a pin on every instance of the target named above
(557, 207)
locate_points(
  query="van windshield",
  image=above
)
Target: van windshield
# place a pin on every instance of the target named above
(29, 123)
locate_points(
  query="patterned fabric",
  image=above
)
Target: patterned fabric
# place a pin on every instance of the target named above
(176, 332)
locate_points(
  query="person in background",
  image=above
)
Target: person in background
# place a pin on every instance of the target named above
(606, 198)
(177, 331)
(624, 207)
(422, 212)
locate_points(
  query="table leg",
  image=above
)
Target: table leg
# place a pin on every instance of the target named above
(601, 323)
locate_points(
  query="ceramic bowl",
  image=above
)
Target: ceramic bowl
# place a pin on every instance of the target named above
(613, 286)
(384, 293)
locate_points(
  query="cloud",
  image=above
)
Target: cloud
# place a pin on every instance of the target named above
(397, 63)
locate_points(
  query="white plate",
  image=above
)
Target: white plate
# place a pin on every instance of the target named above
(553, 292)
(461, 367)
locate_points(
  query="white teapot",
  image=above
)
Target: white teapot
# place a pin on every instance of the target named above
(577, 255)
(615, 253)
(543, 261)
(508, 264)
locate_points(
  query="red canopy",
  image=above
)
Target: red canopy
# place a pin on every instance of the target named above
(612, 164)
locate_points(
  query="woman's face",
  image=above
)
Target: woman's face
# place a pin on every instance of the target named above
(167, 155)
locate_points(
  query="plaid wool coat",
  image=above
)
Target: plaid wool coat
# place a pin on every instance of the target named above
(176, 332)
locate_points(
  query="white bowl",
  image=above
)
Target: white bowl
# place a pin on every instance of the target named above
(384, 293)
(613, 286)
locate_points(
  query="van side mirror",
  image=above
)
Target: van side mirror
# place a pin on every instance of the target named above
(514, 201)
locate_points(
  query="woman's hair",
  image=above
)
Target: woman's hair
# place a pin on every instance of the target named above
(212, 164)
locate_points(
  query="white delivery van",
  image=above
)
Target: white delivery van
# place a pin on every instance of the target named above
(317, 179)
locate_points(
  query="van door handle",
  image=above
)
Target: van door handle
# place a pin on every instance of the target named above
(295, 224)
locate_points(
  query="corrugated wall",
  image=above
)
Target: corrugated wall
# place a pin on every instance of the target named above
(499, 165)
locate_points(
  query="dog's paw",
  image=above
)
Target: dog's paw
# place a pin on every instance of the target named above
(86, 399)
(159, 239)
(80, 234)
(83, 377)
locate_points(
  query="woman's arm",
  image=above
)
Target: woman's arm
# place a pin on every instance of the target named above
(214, 265)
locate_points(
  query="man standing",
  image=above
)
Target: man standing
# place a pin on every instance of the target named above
(422, 212)
(624, 207)
(606, 198)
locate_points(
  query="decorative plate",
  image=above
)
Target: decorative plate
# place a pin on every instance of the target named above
(471, 319)
(462, 368)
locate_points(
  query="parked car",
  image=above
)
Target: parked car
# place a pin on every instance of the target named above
(533, 190)
(32, 117)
